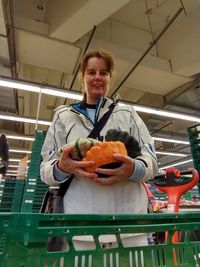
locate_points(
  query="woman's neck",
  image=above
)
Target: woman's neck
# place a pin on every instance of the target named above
(92, 101)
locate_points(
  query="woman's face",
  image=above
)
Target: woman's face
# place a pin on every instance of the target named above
(96, 79)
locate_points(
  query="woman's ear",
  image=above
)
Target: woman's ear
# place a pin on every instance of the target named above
(80, 78)
(82, 89)
(112, 79)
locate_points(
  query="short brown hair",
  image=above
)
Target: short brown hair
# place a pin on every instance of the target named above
(105, 55)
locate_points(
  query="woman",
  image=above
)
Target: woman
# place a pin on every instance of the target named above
(123, 191)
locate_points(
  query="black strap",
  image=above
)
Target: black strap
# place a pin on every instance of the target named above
(95, 133)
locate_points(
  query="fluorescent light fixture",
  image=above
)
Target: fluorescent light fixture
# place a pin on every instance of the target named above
(16, 160)
(27, 138)
(23, 119)
(169, 114)
(11, 174)
(28, 86)
(176, 164)
(16, 137)
(157, 152)
(171, 154)
(162, 112)
(171, 140)
(13, 166)
(62, 93)
(48, 123)
(20, 151)
(11, 171)
(7, 82)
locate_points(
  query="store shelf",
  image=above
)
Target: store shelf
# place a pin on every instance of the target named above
(194, 139)
(35, 189)
(11, 192)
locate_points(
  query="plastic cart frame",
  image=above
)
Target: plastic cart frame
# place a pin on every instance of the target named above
(23, 239)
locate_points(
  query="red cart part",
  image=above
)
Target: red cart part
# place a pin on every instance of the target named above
(175, 183)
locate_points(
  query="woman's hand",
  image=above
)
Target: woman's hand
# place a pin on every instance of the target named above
(119, 174)
(67, 164)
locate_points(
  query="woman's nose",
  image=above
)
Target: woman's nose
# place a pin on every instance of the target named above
(98, 75)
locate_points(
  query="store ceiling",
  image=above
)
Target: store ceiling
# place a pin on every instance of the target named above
(42, 41)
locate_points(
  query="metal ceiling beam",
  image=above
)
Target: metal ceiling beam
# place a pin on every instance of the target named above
(9, 23)
(177, 92)
(85, 50)
(147, 50)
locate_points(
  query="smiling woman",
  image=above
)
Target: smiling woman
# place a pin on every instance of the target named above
(45, 48)
(96, 74)
(110, 190)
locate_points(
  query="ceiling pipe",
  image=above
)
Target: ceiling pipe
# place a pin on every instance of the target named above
(148, 49)
(85, 50)
(179, 91)
(161, 128)
(9, 18)
(150, 26)
(7, 82)
(38, 109)
(183, 7)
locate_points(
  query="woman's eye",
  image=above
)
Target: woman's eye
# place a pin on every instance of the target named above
(104, 73)
(91, 72)
(101, 73)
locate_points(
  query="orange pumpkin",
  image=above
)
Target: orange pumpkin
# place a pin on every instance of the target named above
(102, 154)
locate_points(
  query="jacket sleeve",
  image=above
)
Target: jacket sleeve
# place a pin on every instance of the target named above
(54, 140)
(146, 165)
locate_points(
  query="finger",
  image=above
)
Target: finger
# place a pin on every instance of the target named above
(105, 181)
(109, 172)
(122, 158)
(67, 151)
(85, 174)
(84, 164)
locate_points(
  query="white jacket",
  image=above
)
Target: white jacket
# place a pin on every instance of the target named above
(84, 197)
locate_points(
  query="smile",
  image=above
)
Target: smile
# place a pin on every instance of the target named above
(98, 85)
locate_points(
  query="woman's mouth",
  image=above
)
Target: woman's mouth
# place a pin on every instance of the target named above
(98, 86)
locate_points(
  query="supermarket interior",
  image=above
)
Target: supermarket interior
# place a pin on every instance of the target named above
(155, 46)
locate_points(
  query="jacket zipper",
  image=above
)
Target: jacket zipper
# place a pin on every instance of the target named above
(99, 108)
(79, 112)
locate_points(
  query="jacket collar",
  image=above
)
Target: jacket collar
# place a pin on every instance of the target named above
(104, 102)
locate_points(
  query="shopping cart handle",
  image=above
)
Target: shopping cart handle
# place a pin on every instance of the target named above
(174, 182)
(173, 177)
